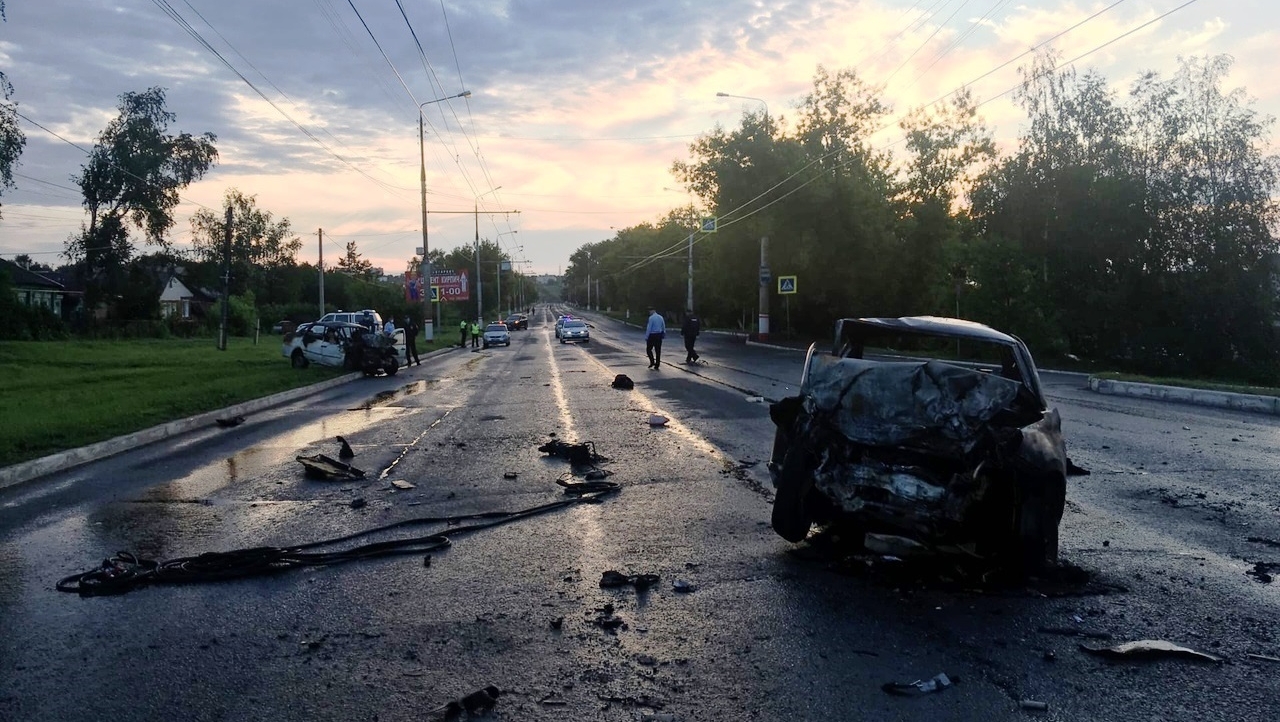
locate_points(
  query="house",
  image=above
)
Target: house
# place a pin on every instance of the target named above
(40, 291)
(179, 301)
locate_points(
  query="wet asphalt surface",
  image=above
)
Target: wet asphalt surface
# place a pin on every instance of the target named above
(1160, 530)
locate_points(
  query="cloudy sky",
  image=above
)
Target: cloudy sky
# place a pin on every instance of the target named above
(577, 109)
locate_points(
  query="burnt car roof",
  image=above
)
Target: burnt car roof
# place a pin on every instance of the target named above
(931, 326)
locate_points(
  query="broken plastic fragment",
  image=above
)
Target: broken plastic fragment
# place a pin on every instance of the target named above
(683, 587)
(937, 683)
(755, 399)
(1149, 648)
(324, 467)
(658, 420)
(894, 546)
(401, 484)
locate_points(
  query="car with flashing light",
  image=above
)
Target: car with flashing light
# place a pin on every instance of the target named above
(496, 334)
(517, 321)
(575, 329)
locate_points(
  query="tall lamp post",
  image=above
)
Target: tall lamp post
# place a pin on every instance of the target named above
(428, 327)
(479, 280)
(762, 321)
(497, 239)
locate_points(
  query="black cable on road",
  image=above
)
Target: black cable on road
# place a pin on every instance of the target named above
(124, 572)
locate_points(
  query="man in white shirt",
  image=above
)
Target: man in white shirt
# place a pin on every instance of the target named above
(654, 332)
(390, 328)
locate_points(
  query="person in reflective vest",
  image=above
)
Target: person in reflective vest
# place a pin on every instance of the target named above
(475, 335)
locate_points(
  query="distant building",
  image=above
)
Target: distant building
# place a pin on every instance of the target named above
(40, 291)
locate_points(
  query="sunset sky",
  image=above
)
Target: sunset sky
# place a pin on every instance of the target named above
(578, 107)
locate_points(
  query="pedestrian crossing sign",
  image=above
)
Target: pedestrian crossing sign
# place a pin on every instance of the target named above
(786, 285)
(709, 225)
(435, 294)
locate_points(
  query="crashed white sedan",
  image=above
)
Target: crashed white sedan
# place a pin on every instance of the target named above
(895, 437)
(331, 343)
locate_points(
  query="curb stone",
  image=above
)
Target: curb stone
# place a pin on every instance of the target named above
(61, 461)
(1195, 397)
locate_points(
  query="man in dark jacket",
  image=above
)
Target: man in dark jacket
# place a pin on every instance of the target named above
(690, 330)
(462, 329)
(411, 342)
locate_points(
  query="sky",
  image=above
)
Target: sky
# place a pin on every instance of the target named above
(578, 108)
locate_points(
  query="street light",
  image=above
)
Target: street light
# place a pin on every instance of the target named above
(748, 97)
(428, 328)
(499, 271)
(479, 280)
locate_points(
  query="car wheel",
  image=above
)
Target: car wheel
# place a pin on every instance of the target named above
(1039, 513)
(508, 343)
(486, 345)
(562, 341)
(392, 367)
(586, 340)
(298, 360)
(795, 480)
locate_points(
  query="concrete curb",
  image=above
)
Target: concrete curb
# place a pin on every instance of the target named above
(63, 460)
(1196, 397)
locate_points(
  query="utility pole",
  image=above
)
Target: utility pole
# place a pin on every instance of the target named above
(588, 280)
(688, 299)
(428, 328)
(479, 282)
(226, 283)
(321, 233)
(763, 331)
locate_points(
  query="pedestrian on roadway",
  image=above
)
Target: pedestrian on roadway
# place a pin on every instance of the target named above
(411, 342)
(462, 330)
(654, 332)
(475, 334)
(690, 330)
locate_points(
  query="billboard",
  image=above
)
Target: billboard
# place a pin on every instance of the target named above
(453, 285)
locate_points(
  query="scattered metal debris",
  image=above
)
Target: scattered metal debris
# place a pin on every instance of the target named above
(510, 475)
(553, 700)
(1262, 571)
(658, 420)
(229, 422)
(346, 452)
(755, 399)
(624, 382)
(402, 484)
(937, 683)
(327, 468)
(477, 703)
(1262, 657)
(577, 454)
(1033, 705)
(1146, 648)
(358, 503)
(613, 578)
(683, 587)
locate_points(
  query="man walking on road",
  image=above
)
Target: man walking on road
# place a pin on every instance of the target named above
(692, 326)
(654, 332)
(411, 342)
(462, 330)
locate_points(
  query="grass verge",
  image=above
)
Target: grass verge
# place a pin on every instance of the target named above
(1192, 383)
(64, 394)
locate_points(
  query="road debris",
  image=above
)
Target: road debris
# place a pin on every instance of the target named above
(329, 469)
(553, 700)
(1263, 540)
(1033, 705)
(613, 578)
(358, 503)
(1262, 657)
(557, 623)
(229, 422)
(1262, 571)
(683, 587)
(658, 420)
(477, 703)
(755, 399)
(624, 382)
(582, 454)
(346, 451)
(402, 484)
(1148, 648)
(510, 475)
(937, 683)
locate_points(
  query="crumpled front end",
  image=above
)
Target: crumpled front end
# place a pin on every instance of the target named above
(929, 450)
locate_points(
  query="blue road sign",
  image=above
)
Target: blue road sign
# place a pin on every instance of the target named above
(435, 294)
(786, 285)
(709, 225)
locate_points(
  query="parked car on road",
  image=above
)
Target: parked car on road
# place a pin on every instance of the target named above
(892, 437)
(496, 334)
(344, 345)
(575, 329)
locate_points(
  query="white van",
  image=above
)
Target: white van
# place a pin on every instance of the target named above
(364, 318)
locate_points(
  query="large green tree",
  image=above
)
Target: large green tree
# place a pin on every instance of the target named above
(11, 137)
(262, 248)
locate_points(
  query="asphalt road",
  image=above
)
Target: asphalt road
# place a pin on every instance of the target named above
(771, 631)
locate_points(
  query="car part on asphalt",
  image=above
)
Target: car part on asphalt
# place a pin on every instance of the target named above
(125, 571)
(1150, 648)
(624, 382)
(953, 455)
(346, 451)
(1034, 705)
(1262, 571)
(402, 485)
(1262, 657)
(613, 578)
(937, 683)
(583, 454)
(328, 469)
(658, 420)
(683, 587)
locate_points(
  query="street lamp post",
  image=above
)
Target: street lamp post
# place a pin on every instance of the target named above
(496, 239)
(762, 328)
(428, 327)
(479, 280)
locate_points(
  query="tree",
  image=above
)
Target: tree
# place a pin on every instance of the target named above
(261, 247)
(11, 138)
(133, 177)
(352, 264)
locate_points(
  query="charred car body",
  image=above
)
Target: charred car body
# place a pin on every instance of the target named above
(345, 345)
(951, 455)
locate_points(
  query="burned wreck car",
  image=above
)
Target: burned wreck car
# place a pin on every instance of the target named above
(891, 442)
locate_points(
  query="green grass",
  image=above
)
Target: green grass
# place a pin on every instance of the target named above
(61, 395)
(1207, 385)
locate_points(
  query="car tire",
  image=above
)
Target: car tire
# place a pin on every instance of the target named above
(795, 480)
(298, 360)
(392, 367)
(562, 341)
(1039, 514)
(486, 346)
